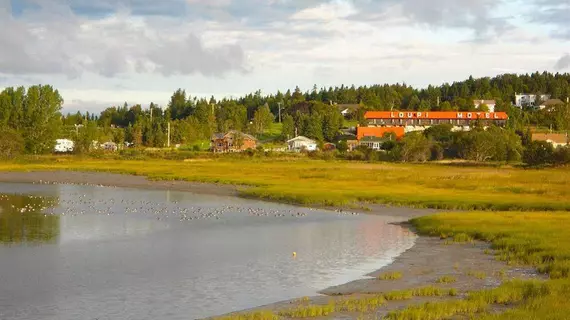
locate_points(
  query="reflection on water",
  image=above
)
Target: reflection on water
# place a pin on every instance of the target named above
(115, 253)
(22, 219)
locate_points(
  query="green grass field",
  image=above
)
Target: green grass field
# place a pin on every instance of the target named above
(272, 133)
(315, 182)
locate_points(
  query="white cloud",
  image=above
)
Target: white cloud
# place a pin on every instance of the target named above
(326, 11)
(211, 3)
(226, 47)
(64, 43)
(563, 63)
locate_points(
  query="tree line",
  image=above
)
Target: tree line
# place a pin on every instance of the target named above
(33, 116)
(197, 118)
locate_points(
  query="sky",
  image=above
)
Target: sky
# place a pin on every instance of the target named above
(107, 52)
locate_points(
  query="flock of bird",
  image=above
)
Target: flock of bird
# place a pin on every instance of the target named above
(79, 204)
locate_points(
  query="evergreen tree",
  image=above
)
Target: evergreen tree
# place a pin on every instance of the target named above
(288, 129)
(313, 128)
(262, 119)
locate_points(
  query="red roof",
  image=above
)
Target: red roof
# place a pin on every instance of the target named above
(378, 132)
(436, 115)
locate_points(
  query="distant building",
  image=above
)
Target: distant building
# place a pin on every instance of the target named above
(550, 103)
(109, 146)
(352, 144)
(373, 143)
(529, 100)
(402, 122)
(489, 103)
(64, 146)
(556, 139)
(348, 110)
(379, 131)
(301, 143)
(329, 146)
(232, 141)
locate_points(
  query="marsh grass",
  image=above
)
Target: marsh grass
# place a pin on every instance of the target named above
(446, 280)
(260, 315)
(539, 239)
(510, 293)
(364, 304)
(477, 274)
(396, 275)
(340, 183)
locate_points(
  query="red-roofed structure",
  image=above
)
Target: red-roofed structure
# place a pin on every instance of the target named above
(401, 122)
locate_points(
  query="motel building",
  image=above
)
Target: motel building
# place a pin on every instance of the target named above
(400, 122)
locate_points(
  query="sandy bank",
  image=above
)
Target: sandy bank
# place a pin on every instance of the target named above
(422, 265)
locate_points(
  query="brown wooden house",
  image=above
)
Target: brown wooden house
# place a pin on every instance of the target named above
(233, 141)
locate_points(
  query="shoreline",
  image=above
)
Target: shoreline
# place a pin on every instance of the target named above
(422, 265)
(142, 182)
(116, 180)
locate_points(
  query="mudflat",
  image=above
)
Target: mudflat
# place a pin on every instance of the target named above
(116, 180)
(471, 267)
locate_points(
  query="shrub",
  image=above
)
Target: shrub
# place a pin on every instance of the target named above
(356, 155)
(562, 156)
(11, 143)
(415, 147)
(538, 153)
(342, 146)
(388, 145)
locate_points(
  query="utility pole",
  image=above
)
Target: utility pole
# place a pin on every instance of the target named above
(279, 104)
(168, 141)
(150, 114)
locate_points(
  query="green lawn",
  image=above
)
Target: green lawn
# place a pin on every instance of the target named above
(272, 134)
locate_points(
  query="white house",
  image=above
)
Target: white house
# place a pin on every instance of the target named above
(300, 143)
(489, 103)
(550, 103)
(63, 145)
(373, 143)
(556, 139)
(348, 109)
(109, 146)
(529, 100)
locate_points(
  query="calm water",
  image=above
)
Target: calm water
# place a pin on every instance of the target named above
(86, 252)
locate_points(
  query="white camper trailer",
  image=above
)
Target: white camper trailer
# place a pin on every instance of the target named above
(64, 146)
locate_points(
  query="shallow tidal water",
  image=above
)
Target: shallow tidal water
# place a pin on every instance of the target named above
(71, 252)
